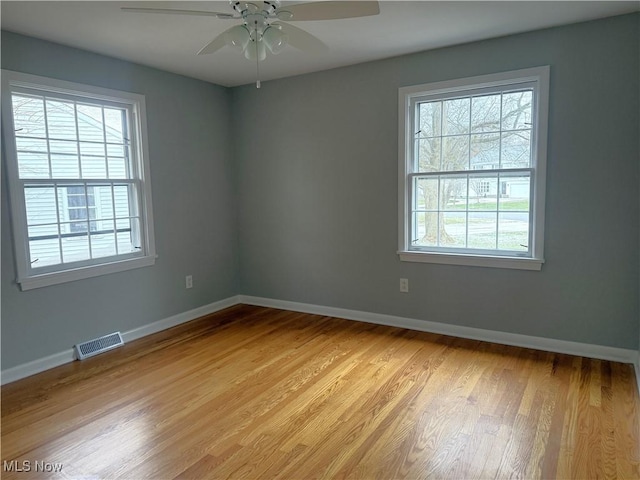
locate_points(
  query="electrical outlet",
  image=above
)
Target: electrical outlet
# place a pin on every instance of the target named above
(188, 280)
(404, 285)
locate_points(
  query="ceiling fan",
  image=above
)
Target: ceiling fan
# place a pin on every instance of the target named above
(264, 25)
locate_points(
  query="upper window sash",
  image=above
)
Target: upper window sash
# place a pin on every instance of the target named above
(20, 88)
(452, 92)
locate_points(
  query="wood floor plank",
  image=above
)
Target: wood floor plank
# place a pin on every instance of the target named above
(257, 393)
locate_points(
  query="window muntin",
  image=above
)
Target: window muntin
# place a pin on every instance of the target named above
(471, 158)
(78, 179)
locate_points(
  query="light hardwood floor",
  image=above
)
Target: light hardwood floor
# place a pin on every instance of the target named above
(258, 393)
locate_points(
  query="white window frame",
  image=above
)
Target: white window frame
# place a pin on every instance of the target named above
(30, 277)
(533, 260)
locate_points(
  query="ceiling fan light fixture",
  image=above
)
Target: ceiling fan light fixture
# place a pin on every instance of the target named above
(255, 50)
(237, 37)
(274, 39)
(259, 32)
(284, 15)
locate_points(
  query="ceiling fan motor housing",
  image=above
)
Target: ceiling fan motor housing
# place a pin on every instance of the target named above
(266, 8)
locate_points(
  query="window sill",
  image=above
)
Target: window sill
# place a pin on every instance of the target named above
(472, 260)
(46, 279)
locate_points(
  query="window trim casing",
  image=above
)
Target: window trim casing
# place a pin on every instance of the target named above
(139, 144)
(538, 75)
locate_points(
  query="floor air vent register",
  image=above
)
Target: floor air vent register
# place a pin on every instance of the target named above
(98, 345)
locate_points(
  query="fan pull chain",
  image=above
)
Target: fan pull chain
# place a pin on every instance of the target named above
(257, 67)
(257, 58)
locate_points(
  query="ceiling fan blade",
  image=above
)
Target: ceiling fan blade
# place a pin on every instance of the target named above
(179, 12)
(329, 10)
(302, 40)
(215, 44)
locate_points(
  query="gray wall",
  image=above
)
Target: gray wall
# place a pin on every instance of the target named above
(302, 205)
(193, 201)
(318, 182)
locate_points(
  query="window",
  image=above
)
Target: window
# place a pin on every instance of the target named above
(472, 170)
(78, 179)
(81, 207)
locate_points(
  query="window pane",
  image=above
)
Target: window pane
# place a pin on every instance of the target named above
(64, 166)
(68, 147)
(514, 193)
(430, 119)
(93, 160)
(28, 116)
(116, 161)
(61, 119)
(94, 167)
(63, 213)
(75, 248)
(425, 229)
(428, 154)
(116, 150)
(482, 230)
(125, 236)
(90, 124)
(516, 149)
(418, 227)
(453, 193)
(93, 149)
(39, 232)
(483, 193)
(516, 110)
(453, 231)
(117, 168)
(456, 116)
(513, 231)
(485, 113)
(513, 224)
(114, 127)
(103, 245)
(44, 251)
(36, 232)
(121, 198)
(104, 202)
(425, 193)
(455, 153)
(31, 145)
(33, 165)
(485, 151)
(123, 224)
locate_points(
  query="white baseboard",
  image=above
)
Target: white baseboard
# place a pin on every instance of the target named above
(40, 365)
(185, 317)
(36, 366)
(504, 338)
(517, 340)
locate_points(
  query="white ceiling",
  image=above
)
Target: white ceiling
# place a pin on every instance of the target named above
(170, 42)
